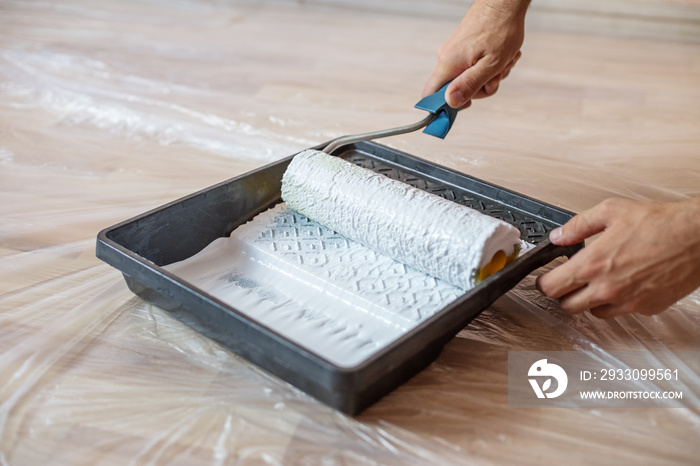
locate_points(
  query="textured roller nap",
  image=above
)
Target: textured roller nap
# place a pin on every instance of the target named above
(422, 230)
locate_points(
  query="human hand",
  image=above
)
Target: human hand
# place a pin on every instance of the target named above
(647, 258)
(481, 52)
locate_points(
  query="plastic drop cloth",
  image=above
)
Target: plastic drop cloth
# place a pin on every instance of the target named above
(108, 109)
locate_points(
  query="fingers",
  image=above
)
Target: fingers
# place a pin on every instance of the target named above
(510, 65)
(440, 76)
(580, 227)
(580, 299)
(476, 82)
(583, 299)
(585, 264)
(465, 86)
(562, 280)
(577, 292)
(586, 298)
(489, 88)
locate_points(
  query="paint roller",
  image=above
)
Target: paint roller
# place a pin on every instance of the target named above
(427, 232)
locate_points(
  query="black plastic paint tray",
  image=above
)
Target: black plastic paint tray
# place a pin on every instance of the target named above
(141, 246)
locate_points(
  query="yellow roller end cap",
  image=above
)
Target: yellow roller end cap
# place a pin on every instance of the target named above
(498, 261)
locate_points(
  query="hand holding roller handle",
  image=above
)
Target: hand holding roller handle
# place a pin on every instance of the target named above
(481, 52)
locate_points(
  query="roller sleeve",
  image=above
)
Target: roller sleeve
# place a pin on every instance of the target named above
(424, 231)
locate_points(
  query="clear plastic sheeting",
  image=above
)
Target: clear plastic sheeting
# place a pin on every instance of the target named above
(108, 109)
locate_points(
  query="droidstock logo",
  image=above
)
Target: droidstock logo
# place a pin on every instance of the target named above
(542, 369)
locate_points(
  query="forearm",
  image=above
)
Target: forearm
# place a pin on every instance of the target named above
(481, 52)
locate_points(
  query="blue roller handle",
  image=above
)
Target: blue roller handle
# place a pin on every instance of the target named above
(435, 103)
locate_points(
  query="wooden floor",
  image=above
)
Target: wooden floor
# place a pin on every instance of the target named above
(110, 109)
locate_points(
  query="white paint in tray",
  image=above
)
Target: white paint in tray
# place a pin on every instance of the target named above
(330, 295)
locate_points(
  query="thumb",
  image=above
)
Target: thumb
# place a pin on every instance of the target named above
(580, 227)
(466, 85)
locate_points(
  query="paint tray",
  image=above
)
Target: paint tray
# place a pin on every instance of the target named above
(142, 246)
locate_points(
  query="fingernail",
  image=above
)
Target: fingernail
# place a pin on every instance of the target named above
(456, 98)
(555, 235)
